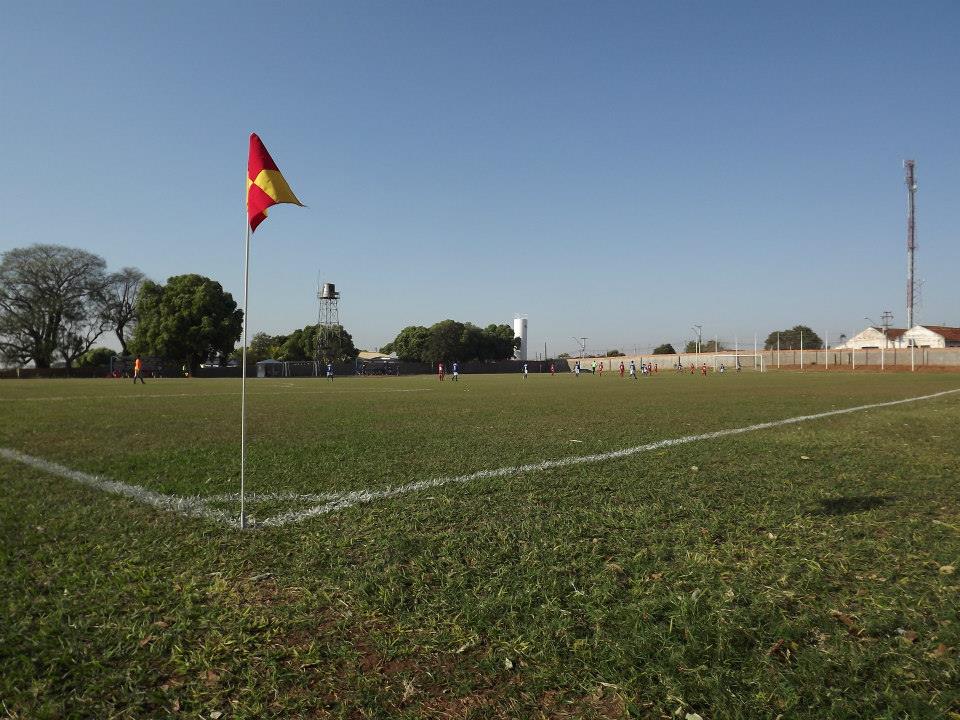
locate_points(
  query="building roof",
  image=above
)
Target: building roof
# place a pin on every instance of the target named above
(948, 333)
(892, 333)
(371, 355)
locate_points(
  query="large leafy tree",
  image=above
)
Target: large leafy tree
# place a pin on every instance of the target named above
(665, 349)
(790, 339)
(336, 346)
(120, 299)
(96, 357)
(502, 343)
(444, 342)
(189, 319)
(262, 347)
(51, 302)
(410, 342)
(451, 340)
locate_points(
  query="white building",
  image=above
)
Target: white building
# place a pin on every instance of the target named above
(932, 336)
(874, 337)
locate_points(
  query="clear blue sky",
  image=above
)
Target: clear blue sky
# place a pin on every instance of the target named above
(615, 170)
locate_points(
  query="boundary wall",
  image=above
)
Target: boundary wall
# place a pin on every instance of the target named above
(943, 358)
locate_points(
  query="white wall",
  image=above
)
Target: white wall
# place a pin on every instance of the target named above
(922, 337)
(871, 337)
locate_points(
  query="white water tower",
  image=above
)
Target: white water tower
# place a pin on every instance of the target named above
(520, 331)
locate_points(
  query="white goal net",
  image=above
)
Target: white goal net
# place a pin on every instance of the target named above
(738, 361)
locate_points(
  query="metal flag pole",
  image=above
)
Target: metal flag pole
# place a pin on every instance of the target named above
(243, 380)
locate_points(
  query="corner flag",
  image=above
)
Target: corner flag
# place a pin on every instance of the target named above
(266, 186)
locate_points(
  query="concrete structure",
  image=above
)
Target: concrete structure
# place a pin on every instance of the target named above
(873, 337)
(932, 336)
(520, 331)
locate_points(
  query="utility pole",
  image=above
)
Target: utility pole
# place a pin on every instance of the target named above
(911, 181)
(887, 319)
(699, 329)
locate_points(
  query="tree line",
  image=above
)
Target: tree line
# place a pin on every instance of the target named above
(56, 302)
(306, 344)
(450, 340)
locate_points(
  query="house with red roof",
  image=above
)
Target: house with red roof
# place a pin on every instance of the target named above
(932, 336)
(875, 337)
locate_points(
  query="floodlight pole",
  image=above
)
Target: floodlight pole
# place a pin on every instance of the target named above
(699, 329)
(582, 342)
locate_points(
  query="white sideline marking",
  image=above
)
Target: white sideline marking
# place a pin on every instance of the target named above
(332, 502)
(359, 497)
(189, 506)
(140, 396)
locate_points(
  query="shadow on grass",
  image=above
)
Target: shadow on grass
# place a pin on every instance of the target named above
(848, 504)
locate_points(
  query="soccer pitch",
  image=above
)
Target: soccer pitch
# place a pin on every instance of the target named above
(732, 545)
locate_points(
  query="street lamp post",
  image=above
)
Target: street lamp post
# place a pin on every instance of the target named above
(883, 349)
(582, 342)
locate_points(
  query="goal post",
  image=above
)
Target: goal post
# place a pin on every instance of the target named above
(744, 361)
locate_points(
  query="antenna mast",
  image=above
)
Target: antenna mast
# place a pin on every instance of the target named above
(909, 166)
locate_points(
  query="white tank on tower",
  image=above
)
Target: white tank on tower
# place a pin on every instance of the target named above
(520, 331)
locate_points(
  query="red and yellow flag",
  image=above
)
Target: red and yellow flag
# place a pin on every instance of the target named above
(265, 185)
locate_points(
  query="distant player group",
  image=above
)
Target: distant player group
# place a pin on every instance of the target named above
(646, 369)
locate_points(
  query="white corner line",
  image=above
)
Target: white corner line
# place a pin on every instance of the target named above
(189, 506)
(197, 506)
(359, 497)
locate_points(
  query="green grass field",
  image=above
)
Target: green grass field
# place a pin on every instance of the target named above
(799, 570)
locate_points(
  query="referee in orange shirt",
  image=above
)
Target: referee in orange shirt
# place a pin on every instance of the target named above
(138, 370)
